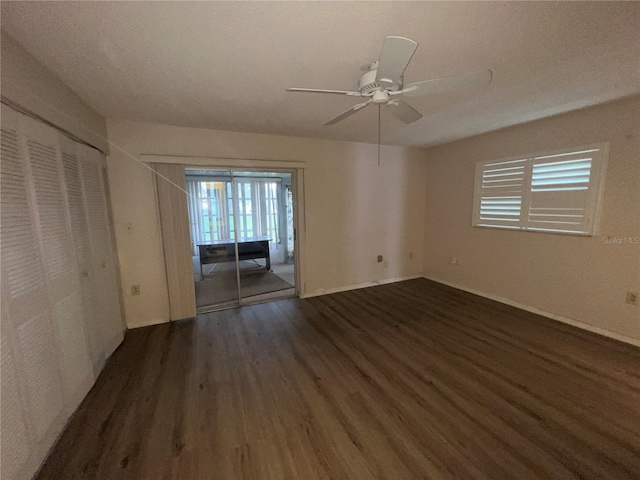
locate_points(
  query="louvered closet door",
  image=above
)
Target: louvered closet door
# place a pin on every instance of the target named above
(102, 253)
(15, 452)
(57, 250)
(82, 247)
(32, 387)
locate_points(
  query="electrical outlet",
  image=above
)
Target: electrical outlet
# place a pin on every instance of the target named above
(455, 261)
(379, 258)
(135, 289)
(632, 298)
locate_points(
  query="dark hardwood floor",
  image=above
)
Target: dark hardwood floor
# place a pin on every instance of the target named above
(403, 381)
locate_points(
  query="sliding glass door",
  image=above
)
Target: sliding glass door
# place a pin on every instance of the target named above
(242, 236)
(266, 258)
(213, 234)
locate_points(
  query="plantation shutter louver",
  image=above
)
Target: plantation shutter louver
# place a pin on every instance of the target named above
(502, 186)
(560, 193)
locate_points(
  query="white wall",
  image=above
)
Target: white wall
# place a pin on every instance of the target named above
(582, 279)
(355, 210)
(27, 83)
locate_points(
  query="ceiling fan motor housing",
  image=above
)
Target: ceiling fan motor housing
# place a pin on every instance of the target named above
(368, 84)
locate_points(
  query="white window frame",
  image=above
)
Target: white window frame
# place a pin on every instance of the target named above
(599, 154)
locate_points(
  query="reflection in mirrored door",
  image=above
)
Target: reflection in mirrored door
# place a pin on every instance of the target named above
(242, 234)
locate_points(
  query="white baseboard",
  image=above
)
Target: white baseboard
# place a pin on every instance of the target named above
(373, 283)
(148, 323)
(158, 321)
(552, 316)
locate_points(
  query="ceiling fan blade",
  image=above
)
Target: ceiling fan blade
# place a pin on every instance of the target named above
(404, 112)
(317, 90)
(394, 58)
(456, 83)
(348, 113)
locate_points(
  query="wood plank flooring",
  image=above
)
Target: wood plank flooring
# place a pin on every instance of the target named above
(404, 381)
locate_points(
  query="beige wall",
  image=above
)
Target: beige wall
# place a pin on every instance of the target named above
(579, 278)
(354, 210)
(27, 83)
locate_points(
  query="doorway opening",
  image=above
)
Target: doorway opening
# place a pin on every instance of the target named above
(242, 229)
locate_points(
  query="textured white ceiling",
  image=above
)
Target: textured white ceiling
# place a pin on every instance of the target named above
(226, 65)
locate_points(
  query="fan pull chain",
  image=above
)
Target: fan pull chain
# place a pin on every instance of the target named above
(378, 136)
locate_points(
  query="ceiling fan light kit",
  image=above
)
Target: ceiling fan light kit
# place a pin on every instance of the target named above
(380, 97)
(385, 80)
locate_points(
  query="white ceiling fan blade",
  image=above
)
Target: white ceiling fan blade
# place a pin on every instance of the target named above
(394, 58)
(404, 112)
(456, 83)
(318, 90)
(348, 113)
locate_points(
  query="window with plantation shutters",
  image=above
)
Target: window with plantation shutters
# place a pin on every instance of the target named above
(557, 192)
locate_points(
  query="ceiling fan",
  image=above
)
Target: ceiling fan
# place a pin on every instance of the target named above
(383, 83)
